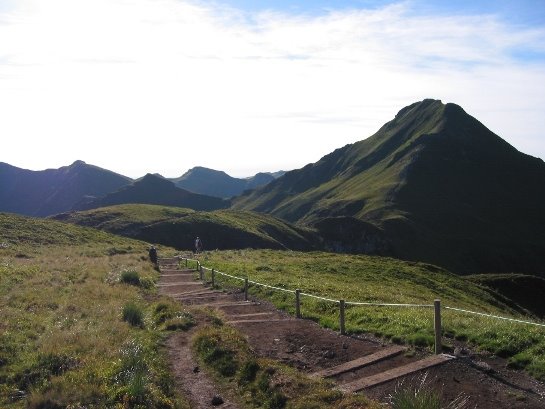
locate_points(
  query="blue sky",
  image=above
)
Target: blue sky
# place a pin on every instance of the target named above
(248, 86)
(527, 12)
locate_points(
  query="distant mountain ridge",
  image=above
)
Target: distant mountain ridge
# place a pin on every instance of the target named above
(80, 185)
(153, 189)
(42, 193)
(218, 183)
(439, 186)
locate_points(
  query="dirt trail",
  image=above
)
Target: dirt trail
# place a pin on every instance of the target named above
(194, 383)
(310, 348)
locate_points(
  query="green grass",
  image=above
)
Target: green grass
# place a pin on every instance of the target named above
(385, 280)
(63, 340)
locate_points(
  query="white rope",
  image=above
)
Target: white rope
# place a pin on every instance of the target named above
(494, 316)
(229, 275)
(319, 298)
(388, 304)
(270, 286)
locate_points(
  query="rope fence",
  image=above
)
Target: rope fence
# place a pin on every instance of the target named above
(342, 303)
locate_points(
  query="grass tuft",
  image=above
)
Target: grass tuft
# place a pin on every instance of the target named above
(133, 314)
(130, 277)
(423, 396)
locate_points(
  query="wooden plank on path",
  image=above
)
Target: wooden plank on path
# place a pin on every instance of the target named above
(181, 283)
(395, 373)
(231, 304)
(255, 314)
(215, 297)
(266, 321)
(178, 274)
(178, 287)
(202, 291)
(360, 362)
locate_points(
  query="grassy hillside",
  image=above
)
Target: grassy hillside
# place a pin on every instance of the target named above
(73, 333)
(177, 227)
(386, 280)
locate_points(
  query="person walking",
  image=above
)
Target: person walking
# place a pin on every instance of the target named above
(198, 245)
(153, 255)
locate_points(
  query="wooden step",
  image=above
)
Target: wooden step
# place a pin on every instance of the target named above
(204, 298)
(195, 292)
(255, 314)
(177, 279)
(256, 321)
(231, 304)
(181, 283)
(395, 373)
(177, 273)
(177, 287)
(360, 362)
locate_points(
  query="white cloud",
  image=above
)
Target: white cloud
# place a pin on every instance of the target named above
(164, 85)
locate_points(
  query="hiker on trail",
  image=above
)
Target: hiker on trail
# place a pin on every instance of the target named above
(153, 254)
(198, 245)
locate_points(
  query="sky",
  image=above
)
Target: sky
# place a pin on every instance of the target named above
(161, 86)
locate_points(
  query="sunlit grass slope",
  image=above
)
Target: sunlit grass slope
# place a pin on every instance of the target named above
(64, 341)
(387, 280)
(177, 227)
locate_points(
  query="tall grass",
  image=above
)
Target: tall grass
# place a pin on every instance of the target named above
(62, 336)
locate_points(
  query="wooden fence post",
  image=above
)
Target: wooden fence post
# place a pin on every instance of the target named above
(246, 289)
(341, 304)
(186, 262)
(298, 303)
(213, 278)
(199, 268)
(437, 325)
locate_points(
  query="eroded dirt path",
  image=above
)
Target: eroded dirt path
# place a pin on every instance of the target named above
(310, 348)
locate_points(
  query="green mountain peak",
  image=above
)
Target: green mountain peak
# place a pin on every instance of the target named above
(435, 181)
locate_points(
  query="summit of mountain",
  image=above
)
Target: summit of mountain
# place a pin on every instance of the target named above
(218, 183)
(154, 189)
(438, 185)
(51, 191)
